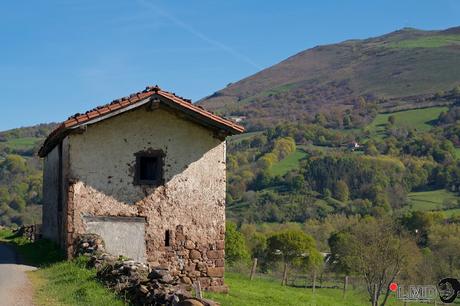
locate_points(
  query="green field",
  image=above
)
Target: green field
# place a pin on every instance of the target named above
(271, 293)
(239, 138)
(434, 41)
(417, 119)
(452, 212)
(430, 200)
(289, 163)
(21, 143)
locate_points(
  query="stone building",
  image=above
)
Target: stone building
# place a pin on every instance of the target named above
(147, 173)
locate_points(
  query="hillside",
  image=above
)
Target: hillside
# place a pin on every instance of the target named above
(21, 174)
(404, 69)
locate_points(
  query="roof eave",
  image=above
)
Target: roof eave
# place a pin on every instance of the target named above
(194, 112)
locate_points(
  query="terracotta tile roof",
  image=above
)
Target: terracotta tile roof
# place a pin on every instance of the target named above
(119, 104)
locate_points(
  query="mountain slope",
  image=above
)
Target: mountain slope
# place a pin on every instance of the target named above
(403, 69)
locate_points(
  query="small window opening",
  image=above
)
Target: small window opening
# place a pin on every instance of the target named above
(149, 168)
(167, 238)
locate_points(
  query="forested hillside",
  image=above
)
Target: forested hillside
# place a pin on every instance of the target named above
(401, 70)
(297, 172)
(354, 191)
(21, 175)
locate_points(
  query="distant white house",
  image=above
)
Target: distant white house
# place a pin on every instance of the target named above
(353, 146)
(238, 119)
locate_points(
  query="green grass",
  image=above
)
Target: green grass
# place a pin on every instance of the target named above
(58, 282)
(70, 283)
(434, 41)
(239, 138)
(414, 119)
(267, 292)
(290, 162)
(430, 200)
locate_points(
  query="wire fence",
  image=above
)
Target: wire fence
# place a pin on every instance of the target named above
(297, 278)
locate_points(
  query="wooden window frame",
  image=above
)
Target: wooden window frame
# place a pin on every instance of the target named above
(159, 154)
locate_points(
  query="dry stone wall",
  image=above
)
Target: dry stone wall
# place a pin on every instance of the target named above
(140, 283)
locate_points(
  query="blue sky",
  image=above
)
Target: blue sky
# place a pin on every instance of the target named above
(65, 56)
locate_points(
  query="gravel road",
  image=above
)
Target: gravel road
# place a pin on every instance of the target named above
(15, 287)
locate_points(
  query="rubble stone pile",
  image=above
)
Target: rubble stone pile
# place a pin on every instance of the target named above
(141, 284)
(31, 232)
(89, 244)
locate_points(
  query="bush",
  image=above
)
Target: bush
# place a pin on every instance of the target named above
(235, 245)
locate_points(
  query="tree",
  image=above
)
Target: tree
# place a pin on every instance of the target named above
(392, 119)
(444, 241)
(266, 161)
(235, 246)
(283, 147)
(295, 248)
(347, 122)
(456, 91)
(320, 119)
(14, 164)
(326, 193)
(371, 149)
(341, 191)
(378, 251)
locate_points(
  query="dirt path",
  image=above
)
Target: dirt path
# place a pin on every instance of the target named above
(15, 287)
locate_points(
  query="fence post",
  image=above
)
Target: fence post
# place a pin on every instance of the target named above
(314, 281)
(283, 283)
(198, 293)
(345, 285)
(253, 270)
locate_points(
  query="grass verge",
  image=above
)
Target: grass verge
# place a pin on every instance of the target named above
(70, 283)
(58, 282)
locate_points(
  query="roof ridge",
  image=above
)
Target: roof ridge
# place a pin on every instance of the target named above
(133, 98)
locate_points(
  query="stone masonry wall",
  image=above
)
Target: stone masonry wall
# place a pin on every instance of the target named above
(190, 206)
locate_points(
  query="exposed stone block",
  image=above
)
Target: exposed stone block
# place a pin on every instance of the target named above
(189, 244)
(186, 280)
(216, 254)
(205, 282)
(194, 254)
(216, 272)
(218, 289)
(217, 282)
(220, 244)
(191, 267)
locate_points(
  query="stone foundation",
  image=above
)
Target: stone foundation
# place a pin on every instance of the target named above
(192, 261)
